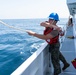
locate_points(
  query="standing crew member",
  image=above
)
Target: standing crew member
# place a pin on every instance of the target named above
(51, 35)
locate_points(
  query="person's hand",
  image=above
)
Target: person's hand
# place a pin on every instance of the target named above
(30, 32)
(59, 29)
(61, 32)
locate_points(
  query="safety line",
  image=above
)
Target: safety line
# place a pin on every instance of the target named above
(13, 27)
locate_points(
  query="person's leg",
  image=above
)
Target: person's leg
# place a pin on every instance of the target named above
(66, 64)
(55, 60)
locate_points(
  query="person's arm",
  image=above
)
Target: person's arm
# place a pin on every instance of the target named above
(59, 29)
(44, 37)
(61, 33)
(47, 24)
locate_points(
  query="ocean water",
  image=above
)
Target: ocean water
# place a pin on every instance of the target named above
(16, 46)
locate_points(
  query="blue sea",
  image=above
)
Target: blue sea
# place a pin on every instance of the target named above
(15, 45)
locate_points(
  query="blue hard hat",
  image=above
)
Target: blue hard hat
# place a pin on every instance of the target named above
(54, 16)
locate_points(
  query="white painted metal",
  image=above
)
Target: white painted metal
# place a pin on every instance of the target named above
(74, 29)
(36, 64)
(72, 6)
(71, 1)
(72, 9)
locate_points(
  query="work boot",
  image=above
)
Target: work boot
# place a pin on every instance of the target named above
(65, 66)
(55, 74)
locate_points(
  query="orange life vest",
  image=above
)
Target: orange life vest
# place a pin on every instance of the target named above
(51, 40)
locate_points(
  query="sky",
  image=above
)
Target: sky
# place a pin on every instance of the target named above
(23, 9)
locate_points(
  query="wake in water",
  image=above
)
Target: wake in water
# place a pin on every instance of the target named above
(15, 49)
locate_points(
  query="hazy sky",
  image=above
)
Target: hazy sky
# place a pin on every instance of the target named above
(23, 9)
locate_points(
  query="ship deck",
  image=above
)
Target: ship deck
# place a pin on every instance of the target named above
(69, 52)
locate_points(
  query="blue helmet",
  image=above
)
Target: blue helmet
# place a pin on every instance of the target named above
(54, 16)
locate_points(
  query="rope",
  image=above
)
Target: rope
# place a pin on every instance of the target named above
(13, 27)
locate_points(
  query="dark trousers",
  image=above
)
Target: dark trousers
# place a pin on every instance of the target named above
(56, 56)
